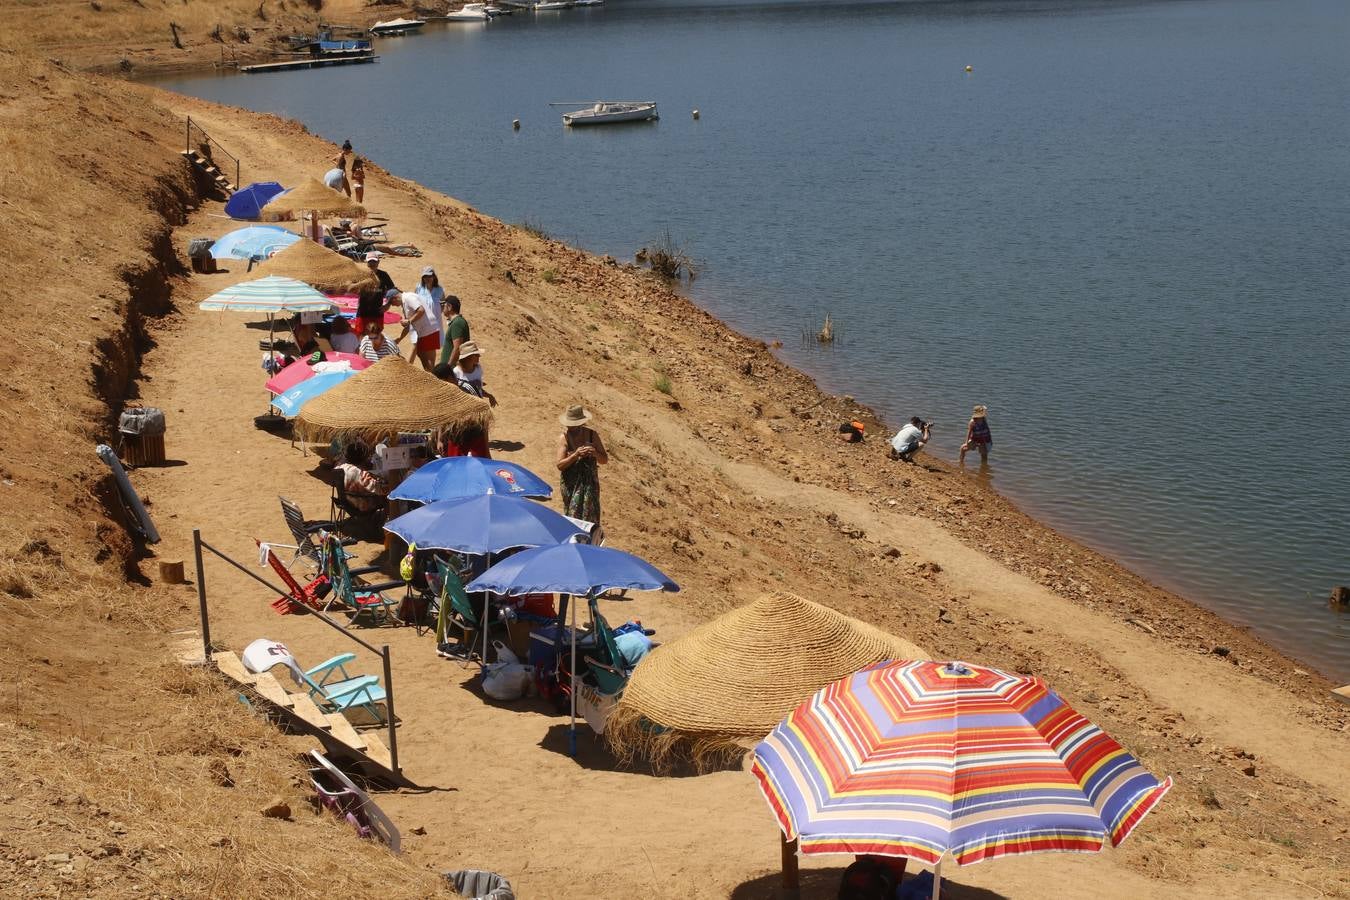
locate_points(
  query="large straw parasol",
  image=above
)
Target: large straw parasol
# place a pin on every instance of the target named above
(323, 268)
(723, 686)
(388, 398)
(311, 196)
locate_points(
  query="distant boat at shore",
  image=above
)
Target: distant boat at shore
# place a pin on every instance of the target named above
(550, 5)
(395, 27)
(469, 12)
(608, 112)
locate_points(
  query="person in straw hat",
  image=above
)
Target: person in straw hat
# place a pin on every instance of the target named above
(580, 455)
(469, 373)
(977, 435)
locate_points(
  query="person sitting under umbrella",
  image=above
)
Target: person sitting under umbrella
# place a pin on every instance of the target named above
(364, 491)
(375, 346)
(342, 339)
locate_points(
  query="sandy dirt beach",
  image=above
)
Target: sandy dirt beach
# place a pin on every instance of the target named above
(733, 482)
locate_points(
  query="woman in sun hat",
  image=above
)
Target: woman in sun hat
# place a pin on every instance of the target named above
(977, 435)
(580, 455)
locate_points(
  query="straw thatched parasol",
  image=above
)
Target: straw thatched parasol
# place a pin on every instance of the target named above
(391, 396)
(323, 268)
(714, 692)
(311, 196)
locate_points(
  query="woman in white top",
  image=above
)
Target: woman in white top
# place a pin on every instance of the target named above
(469, 372)
(375, 346)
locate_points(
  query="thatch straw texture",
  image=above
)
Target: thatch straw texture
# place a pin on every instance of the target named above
(717, 690)
(323, 268)
(389, 397)
(311, 195)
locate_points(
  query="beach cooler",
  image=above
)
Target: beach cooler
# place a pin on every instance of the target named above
(142, 432)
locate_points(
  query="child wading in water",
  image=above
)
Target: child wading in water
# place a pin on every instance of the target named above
(978, 436)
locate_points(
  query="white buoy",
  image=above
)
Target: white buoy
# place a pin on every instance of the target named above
(515, 124)
(970, 69)
(695, 114)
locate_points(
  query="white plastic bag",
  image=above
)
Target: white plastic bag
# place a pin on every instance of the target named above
(504, 653)
(507, 680)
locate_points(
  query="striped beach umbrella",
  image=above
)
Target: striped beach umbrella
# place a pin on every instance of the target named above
(272, 295)
(920, 759)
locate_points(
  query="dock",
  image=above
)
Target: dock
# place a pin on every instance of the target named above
(316, 62)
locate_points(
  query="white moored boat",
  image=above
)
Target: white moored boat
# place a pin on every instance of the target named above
(605, 112)
(470, 12)
(588, 2)
(548, 5)
(396, 27)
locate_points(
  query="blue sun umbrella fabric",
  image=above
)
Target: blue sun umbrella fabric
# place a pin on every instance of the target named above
(460, 477)
(247, 202)
(491, 523)
(572, 569)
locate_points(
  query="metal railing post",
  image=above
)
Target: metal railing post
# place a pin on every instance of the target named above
(201, 596)
(189, 133)
(389, 708)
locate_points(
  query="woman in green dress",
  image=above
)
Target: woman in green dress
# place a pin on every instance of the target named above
(580, 455)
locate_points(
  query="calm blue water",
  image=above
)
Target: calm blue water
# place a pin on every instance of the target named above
(1126, 232)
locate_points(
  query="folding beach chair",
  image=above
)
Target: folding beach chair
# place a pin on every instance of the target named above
(303, 531)
(329, 684)
(337, 691)
(344, 510)
(456, 611)
(359, 601)
(608, 666)
(299, 597)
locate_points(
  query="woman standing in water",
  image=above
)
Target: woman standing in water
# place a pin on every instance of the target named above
(978, 436)
(580, 455)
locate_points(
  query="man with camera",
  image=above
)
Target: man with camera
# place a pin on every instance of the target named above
(910, 439)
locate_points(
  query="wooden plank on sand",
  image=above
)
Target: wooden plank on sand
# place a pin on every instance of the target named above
(377, 751)
(270, 688)
(232, 666)
(343, 731)
(304, 707)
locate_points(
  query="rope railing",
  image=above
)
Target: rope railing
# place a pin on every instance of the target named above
(212, 142)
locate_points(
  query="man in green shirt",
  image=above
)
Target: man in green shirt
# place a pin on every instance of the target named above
(456, 330)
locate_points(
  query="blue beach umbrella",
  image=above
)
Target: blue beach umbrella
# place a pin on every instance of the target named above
(459, 477)
(290, 401)
(572, 569)
(252, 242)
(490, 523)
(247, 202)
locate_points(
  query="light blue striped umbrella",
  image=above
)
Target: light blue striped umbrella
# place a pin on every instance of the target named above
(273, 295)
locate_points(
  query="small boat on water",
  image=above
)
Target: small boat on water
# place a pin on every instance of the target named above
(588, 2)
(469, 12)
(550, 5)
(608, 112)
(494, 11)
(395, 27)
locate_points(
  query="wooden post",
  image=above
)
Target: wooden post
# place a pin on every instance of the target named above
(791, 887)
(389, 709)
(201, 596)
(171, 571)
